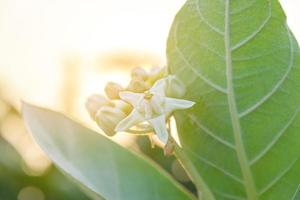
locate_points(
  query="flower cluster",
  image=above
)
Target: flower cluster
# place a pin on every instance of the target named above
(143, 107)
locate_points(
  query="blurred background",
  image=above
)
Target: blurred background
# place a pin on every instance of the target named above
(55, 54)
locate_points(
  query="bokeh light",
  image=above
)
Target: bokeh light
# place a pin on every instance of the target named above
(31, 193)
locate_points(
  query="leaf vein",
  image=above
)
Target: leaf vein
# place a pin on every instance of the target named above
(212, 27)
(278, 177)
(245, 8)
(209, 132)
(247, 58)
(276, 138)
(256, 32)
(236, 126)
(207, 162)
(200, 75)
(277, 86)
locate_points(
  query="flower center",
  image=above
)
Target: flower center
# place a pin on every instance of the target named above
(148, 95)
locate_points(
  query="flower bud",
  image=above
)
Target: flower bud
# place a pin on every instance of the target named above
(139, 72)
(94, 103)
(108, 117)
(138, 85)
(122, 105)
(112, 90)
(155, 74)
(175, 87)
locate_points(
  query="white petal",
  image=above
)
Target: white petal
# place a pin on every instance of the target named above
(148, 110)
(132, 119)
(177, 104)
(157, 103)
(159, 125)
(159, 87)
(131, 97)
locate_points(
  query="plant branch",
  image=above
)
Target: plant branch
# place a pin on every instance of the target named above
(204, 192)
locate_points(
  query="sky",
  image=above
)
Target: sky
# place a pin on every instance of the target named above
(37, 35)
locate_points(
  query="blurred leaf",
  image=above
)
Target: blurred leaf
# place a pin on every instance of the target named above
(95, 161)
(9, 157)
(10, 171)
(240, 64)
(14, 171)
(13, 179)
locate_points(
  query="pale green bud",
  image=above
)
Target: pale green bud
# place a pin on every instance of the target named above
(155, 74)
(112, 90)
(138, 85)
(140, 73)
(94, 103)
(175, 87)
(123, 106)
(108, 117)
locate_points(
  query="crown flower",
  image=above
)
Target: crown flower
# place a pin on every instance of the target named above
(144, 107)
(153, 107)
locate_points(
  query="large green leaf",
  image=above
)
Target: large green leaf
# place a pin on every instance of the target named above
(240, 63)
(102, 166)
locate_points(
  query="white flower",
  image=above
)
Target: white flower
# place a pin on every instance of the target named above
(153, 107)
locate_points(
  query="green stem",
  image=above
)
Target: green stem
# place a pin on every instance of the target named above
(204, 193)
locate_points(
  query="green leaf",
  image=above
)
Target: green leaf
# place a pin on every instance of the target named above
(240, 63)
(103, 167)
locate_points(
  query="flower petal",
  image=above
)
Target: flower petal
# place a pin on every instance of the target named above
(131, 97)
(157, 104)
(147, 110)
(159, 125)
(159, 87)
(177, 104)
(132, 119)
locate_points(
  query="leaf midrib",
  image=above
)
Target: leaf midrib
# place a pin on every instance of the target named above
(237, 132)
